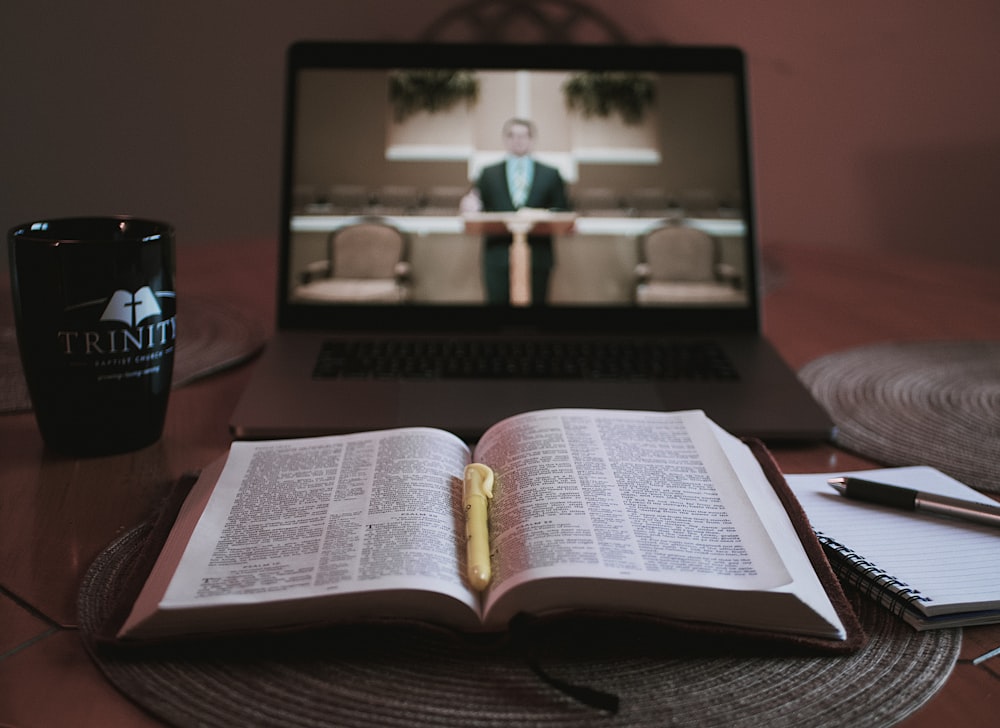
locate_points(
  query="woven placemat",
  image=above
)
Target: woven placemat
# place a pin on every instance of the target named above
(395, 675)
(212, 336)
(917, 403)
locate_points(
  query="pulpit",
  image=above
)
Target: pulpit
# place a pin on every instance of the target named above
(519, 224)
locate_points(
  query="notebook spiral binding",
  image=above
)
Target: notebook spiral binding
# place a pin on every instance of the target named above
(855, 570)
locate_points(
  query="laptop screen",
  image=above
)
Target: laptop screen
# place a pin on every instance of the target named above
(438, 186)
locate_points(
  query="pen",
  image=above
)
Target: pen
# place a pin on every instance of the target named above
(915, 500)
(477, 491)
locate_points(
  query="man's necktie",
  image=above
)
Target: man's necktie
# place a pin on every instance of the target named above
(520, 192)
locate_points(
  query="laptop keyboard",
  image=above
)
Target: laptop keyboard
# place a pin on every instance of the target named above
(520, 359)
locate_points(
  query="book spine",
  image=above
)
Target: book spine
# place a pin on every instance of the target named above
(854, 569)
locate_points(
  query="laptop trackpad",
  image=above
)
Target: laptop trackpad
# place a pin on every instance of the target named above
(467, 408)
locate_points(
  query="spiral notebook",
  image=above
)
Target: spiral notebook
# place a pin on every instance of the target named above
(933, 572)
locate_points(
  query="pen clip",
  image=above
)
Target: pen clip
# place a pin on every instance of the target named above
(478, 480)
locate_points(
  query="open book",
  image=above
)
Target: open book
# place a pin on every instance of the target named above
(658, 514)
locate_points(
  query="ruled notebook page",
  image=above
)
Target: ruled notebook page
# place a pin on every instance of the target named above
(953, 564)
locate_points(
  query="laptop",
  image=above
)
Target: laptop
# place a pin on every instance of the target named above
(392, 144)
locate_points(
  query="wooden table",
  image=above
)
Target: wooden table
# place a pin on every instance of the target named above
(57, 514)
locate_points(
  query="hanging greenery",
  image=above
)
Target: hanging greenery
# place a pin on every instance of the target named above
(603, 93)
(430, 91)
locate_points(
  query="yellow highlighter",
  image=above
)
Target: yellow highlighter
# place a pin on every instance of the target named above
(477, 491)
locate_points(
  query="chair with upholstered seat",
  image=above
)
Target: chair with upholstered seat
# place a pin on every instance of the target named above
(366, 262)
(680, 264)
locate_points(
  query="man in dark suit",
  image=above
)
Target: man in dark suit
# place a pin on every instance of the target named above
(518, 181)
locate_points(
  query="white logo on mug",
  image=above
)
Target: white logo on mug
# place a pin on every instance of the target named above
(130, 309)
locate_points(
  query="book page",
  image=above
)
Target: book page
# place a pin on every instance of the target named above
(318, 516)
(636, 496)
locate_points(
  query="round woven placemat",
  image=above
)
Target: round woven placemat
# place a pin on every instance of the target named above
(917, 403)
(212, 336)
(411, 677)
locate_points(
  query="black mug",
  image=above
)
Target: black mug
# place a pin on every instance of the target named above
(95, 310)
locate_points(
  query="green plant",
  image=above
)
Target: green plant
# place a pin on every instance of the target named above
(603, 93)
(430, 91)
